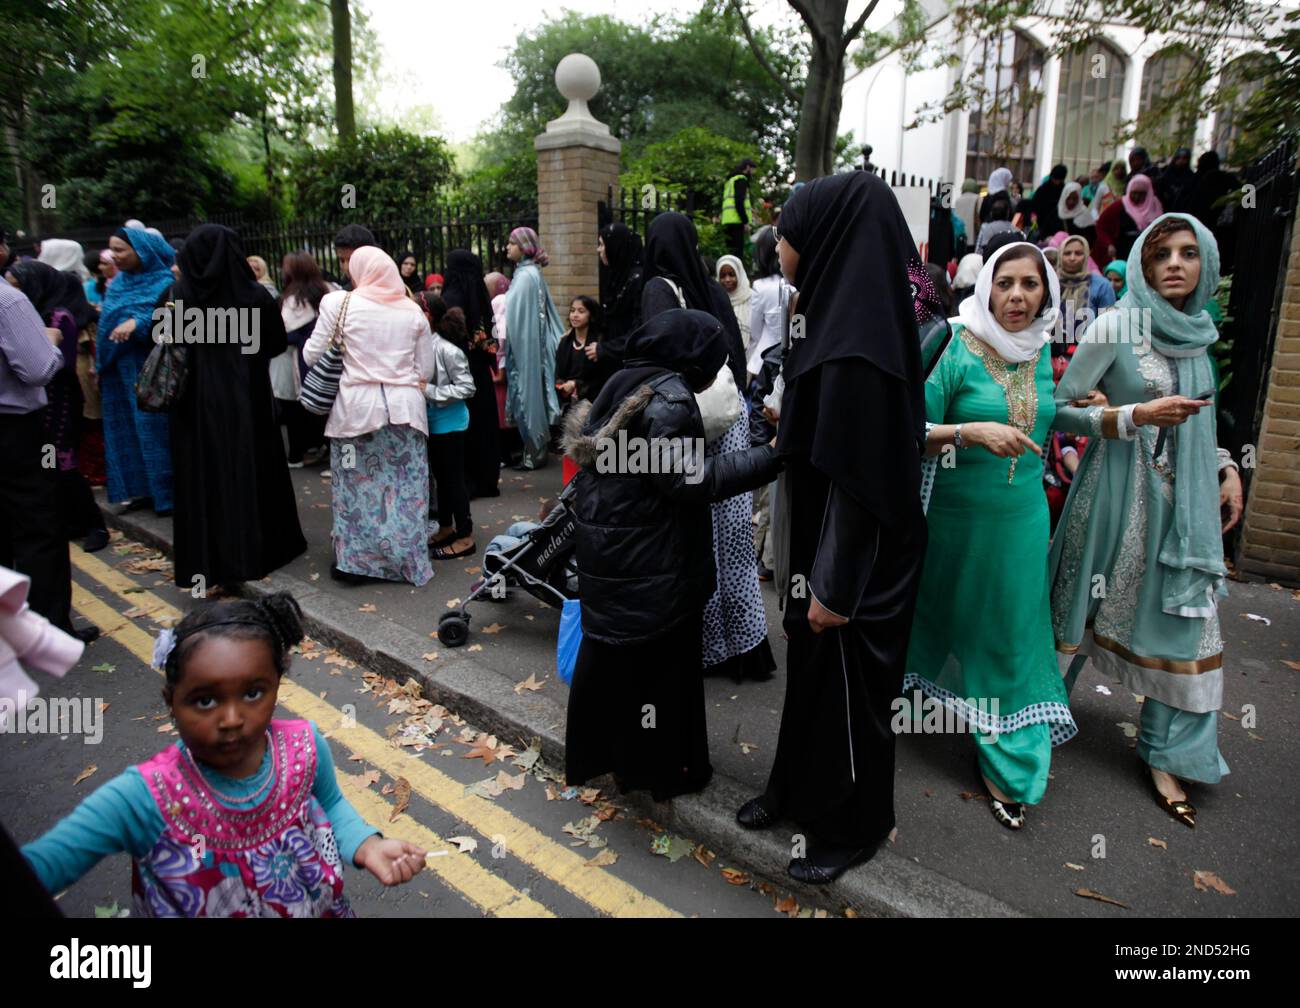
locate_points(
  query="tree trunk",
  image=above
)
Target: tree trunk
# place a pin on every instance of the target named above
(344, 116)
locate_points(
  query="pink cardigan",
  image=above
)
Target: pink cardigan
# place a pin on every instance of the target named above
(27, 638)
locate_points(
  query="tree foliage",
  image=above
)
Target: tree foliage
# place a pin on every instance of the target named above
(384, 172)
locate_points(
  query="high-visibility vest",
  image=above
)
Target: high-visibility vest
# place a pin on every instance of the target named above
(730, 215)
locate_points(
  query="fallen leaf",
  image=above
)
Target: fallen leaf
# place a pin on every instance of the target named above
(164, 728)
(735, 876)
(315, 577)
(452, 603)
(473, 570)
(475, 647)
(1257, 738)
(1073, 866)
(1294, 666)
(703, 855)
(530, 617)
(1103, 689)
(112, 911)
(1089, 894)
(84, 774)
(1258, 619)
(788, 906)
(402, 793)
(488, 789)
(551, 793)
(747, 747)
(513, 783)
(850, 912)
(1157, 843)
(671, 846)
(464, 844)
(530, 683)
(354, 758)
(968, 795)
(138, 611)
(430, 655)
(368, 607)
(589, 796)
(103, 667)
(1129, 729)
(602, 859)
(1230, 717)
(493, 628)
(607, 812)
(1207, 880)
(487, 748)
(527, 759)
(103, 707)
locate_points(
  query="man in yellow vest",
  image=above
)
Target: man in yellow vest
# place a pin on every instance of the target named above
(736, 213)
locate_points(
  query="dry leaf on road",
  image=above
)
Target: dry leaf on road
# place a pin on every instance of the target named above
(1207, 880)
(1074, 867)
(512, 782)
(493, 628)
(1294, 666)
(402, 794)
(164, 728)
(603, 859)
(530, 683)
(788, 906)
(735, 876)
(430, 655)
(703, 855)
(368, 607)
(464, 844)
(1157, 843)
(1090, 894)
(475, 647)
(84, 774)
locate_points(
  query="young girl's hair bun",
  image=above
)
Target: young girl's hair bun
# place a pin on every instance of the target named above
(284, 615)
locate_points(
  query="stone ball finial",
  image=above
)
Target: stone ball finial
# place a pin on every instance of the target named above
(577, 77)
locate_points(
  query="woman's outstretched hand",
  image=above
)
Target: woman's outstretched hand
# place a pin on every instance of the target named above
(1000, 439)
(1168, 411)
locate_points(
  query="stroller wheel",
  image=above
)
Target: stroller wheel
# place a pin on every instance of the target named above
(453, 629)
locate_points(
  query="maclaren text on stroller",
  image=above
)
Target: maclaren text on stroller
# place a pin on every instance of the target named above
(542, 565)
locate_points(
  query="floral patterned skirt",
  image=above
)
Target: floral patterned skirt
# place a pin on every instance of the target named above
(381, 500)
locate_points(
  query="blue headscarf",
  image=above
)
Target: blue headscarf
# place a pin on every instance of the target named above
(133, 295)
(1191, 568)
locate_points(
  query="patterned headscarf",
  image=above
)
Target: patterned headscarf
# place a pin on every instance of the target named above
(926, 303)
(527, 240)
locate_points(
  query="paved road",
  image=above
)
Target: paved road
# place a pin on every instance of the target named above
(523, 862)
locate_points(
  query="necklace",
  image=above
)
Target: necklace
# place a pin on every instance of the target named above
(1018, 386)
(251, 799)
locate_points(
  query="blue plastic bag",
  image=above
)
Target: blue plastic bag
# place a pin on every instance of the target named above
(570, 639)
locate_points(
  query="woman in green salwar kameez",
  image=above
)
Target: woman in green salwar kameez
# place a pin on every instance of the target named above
(1137, 562)
(981, 640)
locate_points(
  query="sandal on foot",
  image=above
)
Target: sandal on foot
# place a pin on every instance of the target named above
(1180, 808)
(1009, 814)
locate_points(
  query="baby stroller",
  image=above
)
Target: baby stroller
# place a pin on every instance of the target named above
(542, 565)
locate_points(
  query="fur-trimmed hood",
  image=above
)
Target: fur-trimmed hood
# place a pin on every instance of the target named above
(582, 447)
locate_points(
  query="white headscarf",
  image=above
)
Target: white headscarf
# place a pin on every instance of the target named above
(1081, 216)
(999, 180)
(976, 315)
(968, 270)
(65, 255)
(740, 296)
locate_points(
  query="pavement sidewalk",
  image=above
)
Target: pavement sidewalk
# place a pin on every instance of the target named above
(1093, 831)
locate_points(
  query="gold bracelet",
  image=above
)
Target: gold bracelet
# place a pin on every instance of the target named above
(1110, 422)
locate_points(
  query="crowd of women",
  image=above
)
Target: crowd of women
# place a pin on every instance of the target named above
(886, 468)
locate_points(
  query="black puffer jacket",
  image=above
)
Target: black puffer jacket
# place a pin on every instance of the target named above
(645, 540)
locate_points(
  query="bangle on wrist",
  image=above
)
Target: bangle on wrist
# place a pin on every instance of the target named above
(956, 437)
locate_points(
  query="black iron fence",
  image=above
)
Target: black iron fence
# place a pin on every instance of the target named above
(430, 234)
(1263, 217)
(638, 207)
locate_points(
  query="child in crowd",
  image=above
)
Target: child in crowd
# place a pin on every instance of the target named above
(243, 816)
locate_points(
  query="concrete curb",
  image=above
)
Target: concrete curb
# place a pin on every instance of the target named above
(887, 886)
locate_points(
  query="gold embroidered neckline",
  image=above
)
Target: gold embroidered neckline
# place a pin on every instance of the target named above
(1018, 386)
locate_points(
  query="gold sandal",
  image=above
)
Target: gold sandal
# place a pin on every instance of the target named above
(1180, 809)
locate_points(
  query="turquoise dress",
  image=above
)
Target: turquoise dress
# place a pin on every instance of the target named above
(1104, 604)
(982, 636)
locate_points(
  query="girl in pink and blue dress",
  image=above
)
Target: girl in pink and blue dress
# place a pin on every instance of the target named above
(243, 816)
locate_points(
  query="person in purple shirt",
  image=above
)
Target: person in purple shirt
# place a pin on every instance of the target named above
(31, 541)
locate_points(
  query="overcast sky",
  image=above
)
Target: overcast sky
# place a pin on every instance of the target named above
(442, 57)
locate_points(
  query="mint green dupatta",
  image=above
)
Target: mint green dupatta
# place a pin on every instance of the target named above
(1190, 568)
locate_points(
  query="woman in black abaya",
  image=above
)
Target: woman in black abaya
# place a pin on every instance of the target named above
(851, 429)
(620, 284)
(645, 569)
(235, 517)
(463, 288)
(735, 620)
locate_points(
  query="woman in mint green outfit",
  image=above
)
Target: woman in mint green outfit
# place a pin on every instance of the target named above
(982, 634)
(1137, 563)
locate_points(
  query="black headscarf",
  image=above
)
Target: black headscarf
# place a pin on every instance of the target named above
(463, 288)
(691, 343)
(766, 261)
(672, 251)
(49, 289)
(413, 283)
(853, 405)
(215, 271)
(623, 250)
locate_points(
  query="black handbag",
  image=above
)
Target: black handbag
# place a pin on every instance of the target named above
(162, 377)
(320, 386)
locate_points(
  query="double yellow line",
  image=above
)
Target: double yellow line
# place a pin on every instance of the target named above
(596, 887)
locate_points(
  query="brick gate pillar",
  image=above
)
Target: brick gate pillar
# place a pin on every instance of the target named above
(577, 162)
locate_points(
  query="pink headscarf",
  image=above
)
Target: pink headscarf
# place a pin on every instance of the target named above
(526, 238)
(375, 278)
(1150, 207)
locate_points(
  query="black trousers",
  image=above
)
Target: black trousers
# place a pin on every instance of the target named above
(447, 469)
(78, 512)
(735, 239)
(306, 429)
(31, 535)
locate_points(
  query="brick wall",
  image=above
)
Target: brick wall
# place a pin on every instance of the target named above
(570, 182)
(1271, 538)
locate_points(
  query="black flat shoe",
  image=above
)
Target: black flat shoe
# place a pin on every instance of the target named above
(87, 633)
(347, 577)
(96, 540)
(755, 815)
(823, 866)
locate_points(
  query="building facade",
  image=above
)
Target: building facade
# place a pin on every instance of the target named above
(1028, 109)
